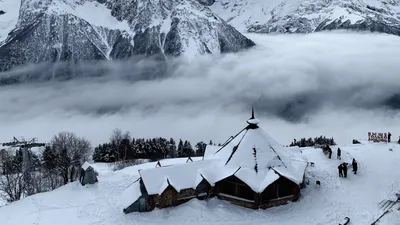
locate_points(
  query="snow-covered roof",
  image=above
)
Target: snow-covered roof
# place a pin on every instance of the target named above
(210, 149)
(86, 165)
(180, 176)
(131, 194)
(252, 156)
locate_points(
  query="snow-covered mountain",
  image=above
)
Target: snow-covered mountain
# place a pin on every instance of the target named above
(77, 30)
(304, 16)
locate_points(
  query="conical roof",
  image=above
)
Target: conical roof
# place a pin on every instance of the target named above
(253, 148)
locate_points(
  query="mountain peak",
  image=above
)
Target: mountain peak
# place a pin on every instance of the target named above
(67, 30)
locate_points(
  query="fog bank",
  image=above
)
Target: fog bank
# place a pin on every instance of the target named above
(335, 84)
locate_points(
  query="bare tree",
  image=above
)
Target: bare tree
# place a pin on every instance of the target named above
(71, 152)
(116, 139)
(116, 136)
(12, 182)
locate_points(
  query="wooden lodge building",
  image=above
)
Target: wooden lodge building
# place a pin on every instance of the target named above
(251, 170)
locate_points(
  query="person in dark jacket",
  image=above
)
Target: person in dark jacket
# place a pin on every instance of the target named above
(340, 168)
(344, 166)
(339, 154)
(389, 136)
(355, 166)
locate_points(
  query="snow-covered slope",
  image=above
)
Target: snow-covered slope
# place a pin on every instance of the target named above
(356, 196)
(304, 16)
(77, 30)
(9, 11)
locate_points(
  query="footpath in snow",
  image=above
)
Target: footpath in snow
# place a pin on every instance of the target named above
(357, 196)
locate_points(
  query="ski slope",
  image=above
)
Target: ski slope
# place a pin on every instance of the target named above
(356, 196)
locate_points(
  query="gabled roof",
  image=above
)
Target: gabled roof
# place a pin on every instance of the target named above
(180, 176)
(131, 194)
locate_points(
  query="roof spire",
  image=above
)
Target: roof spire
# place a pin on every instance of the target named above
(253, 120)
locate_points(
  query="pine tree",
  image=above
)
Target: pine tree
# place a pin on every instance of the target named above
(98, 154)
(49, 158)
(200, 148)
(187, 149)
(180, 149)
(172, 148)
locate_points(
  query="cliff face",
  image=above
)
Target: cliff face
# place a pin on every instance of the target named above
(78, 30)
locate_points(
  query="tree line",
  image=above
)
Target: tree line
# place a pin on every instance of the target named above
(321, 140)
(122, 147)
(59, 162)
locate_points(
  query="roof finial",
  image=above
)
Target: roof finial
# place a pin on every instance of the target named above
(252, 120)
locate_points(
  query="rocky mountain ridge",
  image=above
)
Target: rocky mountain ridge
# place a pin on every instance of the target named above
(79, 30)
(299, 16)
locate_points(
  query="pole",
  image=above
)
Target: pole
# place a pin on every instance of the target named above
(26, 171)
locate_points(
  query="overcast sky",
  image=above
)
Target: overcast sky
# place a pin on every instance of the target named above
(332, 84)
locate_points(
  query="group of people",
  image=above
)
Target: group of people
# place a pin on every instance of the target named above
(344, 166)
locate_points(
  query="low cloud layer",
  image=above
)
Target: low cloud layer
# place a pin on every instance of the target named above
(335, 84)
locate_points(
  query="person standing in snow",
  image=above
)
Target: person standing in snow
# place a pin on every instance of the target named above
(340, 167)
(355, 166)
(339, 153)
(344, 165)
(389, 136)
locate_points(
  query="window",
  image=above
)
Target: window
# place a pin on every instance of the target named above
(280, 188)
(235, 187)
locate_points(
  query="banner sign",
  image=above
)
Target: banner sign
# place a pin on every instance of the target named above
(377, 137)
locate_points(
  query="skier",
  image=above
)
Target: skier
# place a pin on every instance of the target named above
(389, 136)
(339, 153)
(340, 167)
(355, 166)
(344, 165)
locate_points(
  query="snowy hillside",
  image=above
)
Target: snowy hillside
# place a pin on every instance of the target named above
(356, 196)
(298, 16)
(77, 30)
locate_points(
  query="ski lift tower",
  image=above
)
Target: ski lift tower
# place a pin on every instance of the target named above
(26, 165)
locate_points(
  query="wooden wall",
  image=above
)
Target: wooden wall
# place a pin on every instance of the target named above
(233, 190)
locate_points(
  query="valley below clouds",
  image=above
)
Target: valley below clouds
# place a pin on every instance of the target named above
(336, 84)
